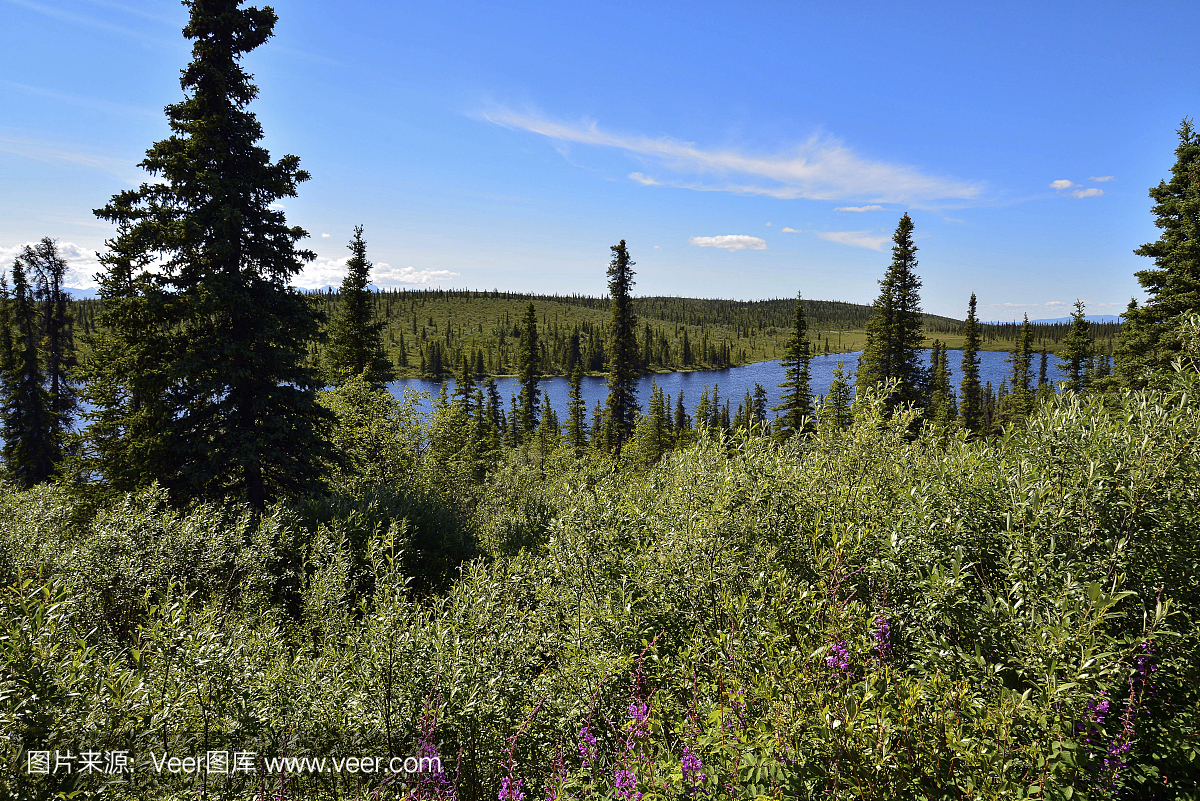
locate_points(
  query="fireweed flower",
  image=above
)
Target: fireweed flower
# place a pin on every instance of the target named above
(881, 636)
(587, 747)
(510, 789)
(691, 767)
(626, 783)
(839, 657)
(638, 714)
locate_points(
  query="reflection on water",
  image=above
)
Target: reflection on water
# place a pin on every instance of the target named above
(733, 383)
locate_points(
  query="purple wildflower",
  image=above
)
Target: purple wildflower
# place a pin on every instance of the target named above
(881, 634)
(839, 657)
(587, 746)
(692, 766)
(510, 789)
(626, 783)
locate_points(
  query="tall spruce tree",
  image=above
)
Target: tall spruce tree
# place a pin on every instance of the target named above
(623, 363)
(529, 372)
(355, 338)
(218, 400)
(894, 335)
(970, 391)
(1148, 341)
(796, 403)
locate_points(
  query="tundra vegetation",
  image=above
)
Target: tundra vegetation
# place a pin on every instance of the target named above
(902, 590)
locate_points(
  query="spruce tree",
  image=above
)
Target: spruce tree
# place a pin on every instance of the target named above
(623, 363)
(1148, 341)
(894, 336)
(529, 372)
(355, 339)
(1075, 351)
(969, 389)
(837, 406)
(796, 403)
(942, 408)
(30, 450)
(577, 411)
(224, 405)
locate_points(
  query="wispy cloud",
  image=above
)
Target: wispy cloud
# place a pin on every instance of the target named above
(92, 22)
(1091, 191)
(820, 168)
(67, 154)
(872, 207)
(1061, 184)
(788, 230)
(85, 102)
(729, 242)
(1102, 178)
(870, 240)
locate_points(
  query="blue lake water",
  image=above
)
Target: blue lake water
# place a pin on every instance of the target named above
(733, 383)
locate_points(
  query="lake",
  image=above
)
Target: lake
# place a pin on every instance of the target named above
(733, 382)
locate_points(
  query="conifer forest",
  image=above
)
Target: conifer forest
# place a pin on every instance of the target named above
(234, 564)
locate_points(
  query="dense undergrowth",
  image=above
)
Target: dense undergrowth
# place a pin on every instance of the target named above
(857, 614)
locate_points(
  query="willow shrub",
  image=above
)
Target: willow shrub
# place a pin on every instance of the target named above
(855, 614)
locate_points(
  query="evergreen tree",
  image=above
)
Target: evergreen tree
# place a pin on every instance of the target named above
(577, 411)
(1173, 284)
(622, 352)
(796, 403)
(1019, 404)
(355, 339)
(969, 389)
(227, 406)
(529, 366)
(1075, 351)
(894, 336)
(30, 450)
(838, 402)
(39, 399)
(760, 404)
(942, 408)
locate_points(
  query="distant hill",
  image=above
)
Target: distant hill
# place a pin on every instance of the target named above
(1091, 318)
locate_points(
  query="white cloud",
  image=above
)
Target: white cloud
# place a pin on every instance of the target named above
(872, 207)
(1062, 183)
(82, 264)
(324, 236)
(1089, 192)
(787, 230)
(1102, 178)
(821, 168)
(656, 247)
(770, 224)
(330, 272)
(859, 239)
(729, 242)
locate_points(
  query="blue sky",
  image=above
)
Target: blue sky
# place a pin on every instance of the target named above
(744, 150)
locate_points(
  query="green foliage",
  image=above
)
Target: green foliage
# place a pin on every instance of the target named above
(858, 612)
